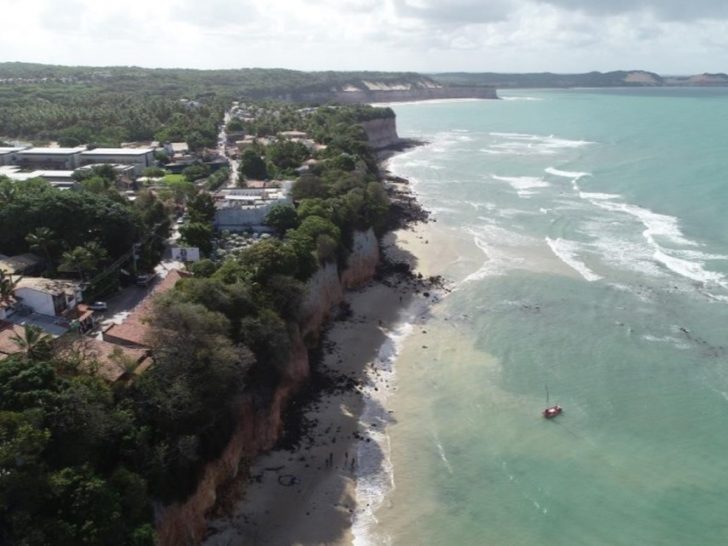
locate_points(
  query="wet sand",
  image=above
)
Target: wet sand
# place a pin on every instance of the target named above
(308, 495)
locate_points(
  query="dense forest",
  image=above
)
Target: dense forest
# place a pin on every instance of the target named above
(107, 106)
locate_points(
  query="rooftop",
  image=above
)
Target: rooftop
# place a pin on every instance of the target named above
(48, 286)
(18, 264)
(4, 150)
(51, 151)
(118, 151)
(133, 330)
(7, 331)
(112, 362)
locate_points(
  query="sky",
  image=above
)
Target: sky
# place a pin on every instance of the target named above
(664, 36)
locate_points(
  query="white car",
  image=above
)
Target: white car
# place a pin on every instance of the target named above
(98, 306)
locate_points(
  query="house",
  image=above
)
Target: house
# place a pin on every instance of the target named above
(133, 331)
(242, 209)
(48, 296)
(9, 156)
(139, 158)
(49, 158)
(8, 331)
(177, 149)
(22, 264)
(110, 362)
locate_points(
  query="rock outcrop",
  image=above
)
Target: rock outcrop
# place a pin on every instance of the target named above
(381, 133)
(261, 424)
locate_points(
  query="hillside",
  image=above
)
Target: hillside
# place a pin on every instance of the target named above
(632, 78)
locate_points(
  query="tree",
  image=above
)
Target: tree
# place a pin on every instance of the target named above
(268, 258)
(195, 172)
(198, 235)
(83, 259)
(252, 166)
(7, 287)
(282, 218)
(202, 208)
(41, 240)
(308, 186)
(286, 154)
(34, 343)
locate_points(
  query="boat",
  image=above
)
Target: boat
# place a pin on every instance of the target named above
(551, 411)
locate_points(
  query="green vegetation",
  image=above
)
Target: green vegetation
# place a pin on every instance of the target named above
(84, 463)
(79, 232)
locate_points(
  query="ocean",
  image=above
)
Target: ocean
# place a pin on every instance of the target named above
(584, 236)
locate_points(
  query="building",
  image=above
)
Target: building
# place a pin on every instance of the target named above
(177, 150)
(58, 179)
(293, 135)
(48, 296)
(133, 331)
(110, 362)
(139, 158)
(8, 331)
(9, 156)
(242, 209)
(22, 264)
(49, 158)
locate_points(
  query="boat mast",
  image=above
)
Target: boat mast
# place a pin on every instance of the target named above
(547, 395)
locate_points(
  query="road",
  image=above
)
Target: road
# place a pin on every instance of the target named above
(222, 149)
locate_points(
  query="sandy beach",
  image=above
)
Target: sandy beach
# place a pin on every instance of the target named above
(308, 495)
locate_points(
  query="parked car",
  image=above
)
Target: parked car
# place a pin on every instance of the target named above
(98, 306)
(144, 280)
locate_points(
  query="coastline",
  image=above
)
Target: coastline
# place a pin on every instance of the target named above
(322, 484)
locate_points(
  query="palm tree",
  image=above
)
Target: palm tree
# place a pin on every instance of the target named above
(41, 240)
(33, 343)
(84, 258)
(7, 287)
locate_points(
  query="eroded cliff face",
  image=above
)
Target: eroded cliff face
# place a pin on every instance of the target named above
(259, 428)
(368, 95)
(381, 133)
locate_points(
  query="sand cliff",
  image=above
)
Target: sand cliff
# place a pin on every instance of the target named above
(261, 423)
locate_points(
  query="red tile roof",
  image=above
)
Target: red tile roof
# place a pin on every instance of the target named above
(132, 332)
(7, 331)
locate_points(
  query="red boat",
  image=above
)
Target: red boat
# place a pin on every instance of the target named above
(553, 411)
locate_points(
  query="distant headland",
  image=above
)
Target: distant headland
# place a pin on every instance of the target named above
(619, 78)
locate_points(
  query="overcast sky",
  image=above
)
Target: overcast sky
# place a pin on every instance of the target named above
(666, 36)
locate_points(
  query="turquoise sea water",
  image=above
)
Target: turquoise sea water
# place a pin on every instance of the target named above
(600, 268)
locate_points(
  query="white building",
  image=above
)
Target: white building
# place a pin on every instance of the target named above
(58, 179)
(49, 158)
(48, 296)
(241, 209)
(9, 156)
(139, 158)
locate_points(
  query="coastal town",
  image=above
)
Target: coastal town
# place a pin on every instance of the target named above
(157, 270)
(243, 198)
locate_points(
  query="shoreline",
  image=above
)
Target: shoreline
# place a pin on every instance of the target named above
(305, 491)
(307, 494)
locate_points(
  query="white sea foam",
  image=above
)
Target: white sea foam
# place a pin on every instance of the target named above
(441, 452)
(567, 251)
(675, 342)
(660, 227)
(527, 144)
(566, 174)
(598, 196)
(527, 99)
(523, 184)
(375, 474)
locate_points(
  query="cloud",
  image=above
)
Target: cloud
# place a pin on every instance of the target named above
(456, 12)
(666, 10)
